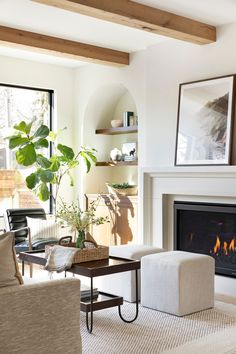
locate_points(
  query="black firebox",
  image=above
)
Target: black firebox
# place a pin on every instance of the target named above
(207, 228)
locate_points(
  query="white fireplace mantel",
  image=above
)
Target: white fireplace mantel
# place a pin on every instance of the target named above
(160, 186)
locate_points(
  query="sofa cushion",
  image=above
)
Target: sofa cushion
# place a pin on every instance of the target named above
(9, 271)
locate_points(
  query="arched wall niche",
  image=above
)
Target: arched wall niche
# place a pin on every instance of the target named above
(107, 103)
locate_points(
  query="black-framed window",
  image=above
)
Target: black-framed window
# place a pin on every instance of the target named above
(20, 103)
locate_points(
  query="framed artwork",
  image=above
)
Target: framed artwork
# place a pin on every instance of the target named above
(129, 151)
(205, 119)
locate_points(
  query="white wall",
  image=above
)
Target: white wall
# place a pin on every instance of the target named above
(57, 78)
(169, 64)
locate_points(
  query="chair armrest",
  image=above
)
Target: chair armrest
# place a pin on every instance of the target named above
(41, 318)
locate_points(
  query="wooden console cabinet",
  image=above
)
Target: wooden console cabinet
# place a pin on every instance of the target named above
(123, 215)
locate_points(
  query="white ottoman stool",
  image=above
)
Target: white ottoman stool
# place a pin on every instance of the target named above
(177, 282)
(123, 284)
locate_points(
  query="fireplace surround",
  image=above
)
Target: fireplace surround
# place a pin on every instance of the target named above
(207, 228)
(161, 186)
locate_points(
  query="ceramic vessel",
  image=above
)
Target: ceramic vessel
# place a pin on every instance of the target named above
(115, 154)
(115, 123)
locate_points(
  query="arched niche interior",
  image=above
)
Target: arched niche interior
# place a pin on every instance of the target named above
(107, 103)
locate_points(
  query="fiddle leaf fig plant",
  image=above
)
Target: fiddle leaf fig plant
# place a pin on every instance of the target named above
(29, 145)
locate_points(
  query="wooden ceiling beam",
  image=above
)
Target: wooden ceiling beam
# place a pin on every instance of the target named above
(62, 47)
(146, 18)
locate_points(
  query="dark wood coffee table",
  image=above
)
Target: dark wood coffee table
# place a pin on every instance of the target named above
(93, 269)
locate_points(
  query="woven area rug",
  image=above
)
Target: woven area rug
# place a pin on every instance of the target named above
(207, 332)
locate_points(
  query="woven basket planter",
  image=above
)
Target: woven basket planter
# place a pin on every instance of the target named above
(86, 254)
(122, 191)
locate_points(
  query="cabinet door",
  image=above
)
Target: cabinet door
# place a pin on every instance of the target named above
(104, 234)
(126, 220)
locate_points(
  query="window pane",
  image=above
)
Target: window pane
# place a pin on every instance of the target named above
(17, 104)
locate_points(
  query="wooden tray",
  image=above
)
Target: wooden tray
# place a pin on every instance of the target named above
(84, 254)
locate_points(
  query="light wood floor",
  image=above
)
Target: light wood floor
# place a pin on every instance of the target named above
(226, 298)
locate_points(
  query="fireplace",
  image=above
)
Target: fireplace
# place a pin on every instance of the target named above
(207, 228)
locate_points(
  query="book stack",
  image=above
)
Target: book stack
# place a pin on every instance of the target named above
(130, 158)
(85, 292)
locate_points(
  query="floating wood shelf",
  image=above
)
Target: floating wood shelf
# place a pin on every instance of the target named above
(119, 130)
(117, 163)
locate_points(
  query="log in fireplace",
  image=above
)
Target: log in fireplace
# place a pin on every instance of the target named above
(207, 228)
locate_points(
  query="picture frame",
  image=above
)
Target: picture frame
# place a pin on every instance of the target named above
(129, 151)
(205, 122)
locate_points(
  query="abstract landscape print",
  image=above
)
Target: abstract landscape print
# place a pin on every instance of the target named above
(204, 126)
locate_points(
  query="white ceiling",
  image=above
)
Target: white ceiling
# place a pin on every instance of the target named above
(27, 15)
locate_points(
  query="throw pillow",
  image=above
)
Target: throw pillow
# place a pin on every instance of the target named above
(9, 271)
(46, 229)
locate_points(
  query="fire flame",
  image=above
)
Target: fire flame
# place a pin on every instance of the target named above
(224, 247)
(217, 245)
(232, 245)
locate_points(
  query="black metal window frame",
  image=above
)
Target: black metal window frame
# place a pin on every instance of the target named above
(51, 119)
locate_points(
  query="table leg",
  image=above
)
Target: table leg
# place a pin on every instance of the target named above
(137, 301)
(23, 267)
(90, 326)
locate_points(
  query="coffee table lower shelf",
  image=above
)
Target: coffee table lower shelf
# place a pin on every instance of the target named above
(103, 301)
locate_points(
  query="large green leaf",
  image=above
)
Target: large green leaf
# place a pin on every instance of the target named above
(43, 192)
(16, 141)
(54, 180)
(66, 151)
(86, 160)
(41, 143)
(55, 163)
(52, 136)
(41, 132)
(91, 156)
(31, 180)
(71, 179)
(43, 161)
(46, 175)
(73, 164)
(26, 156)
(22, 127)
(28, 127)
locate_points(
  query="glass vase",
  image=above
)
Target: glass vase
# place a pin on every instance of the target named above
(80, 239)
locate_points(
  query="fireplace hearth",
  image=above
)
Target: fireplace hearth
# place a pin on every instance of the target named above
(207, 228)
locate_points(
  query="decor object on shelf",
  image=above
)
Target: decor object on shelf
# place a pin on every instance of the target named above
(28, 141)
(125, 189)
(129, 151)
(80, 220)
(128, 118)
(115, 123)
(205, 114)
(115, 154)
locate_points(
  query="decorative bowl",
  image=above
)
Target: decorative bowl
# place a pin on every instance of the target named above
(132, 190)
(115, 123)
